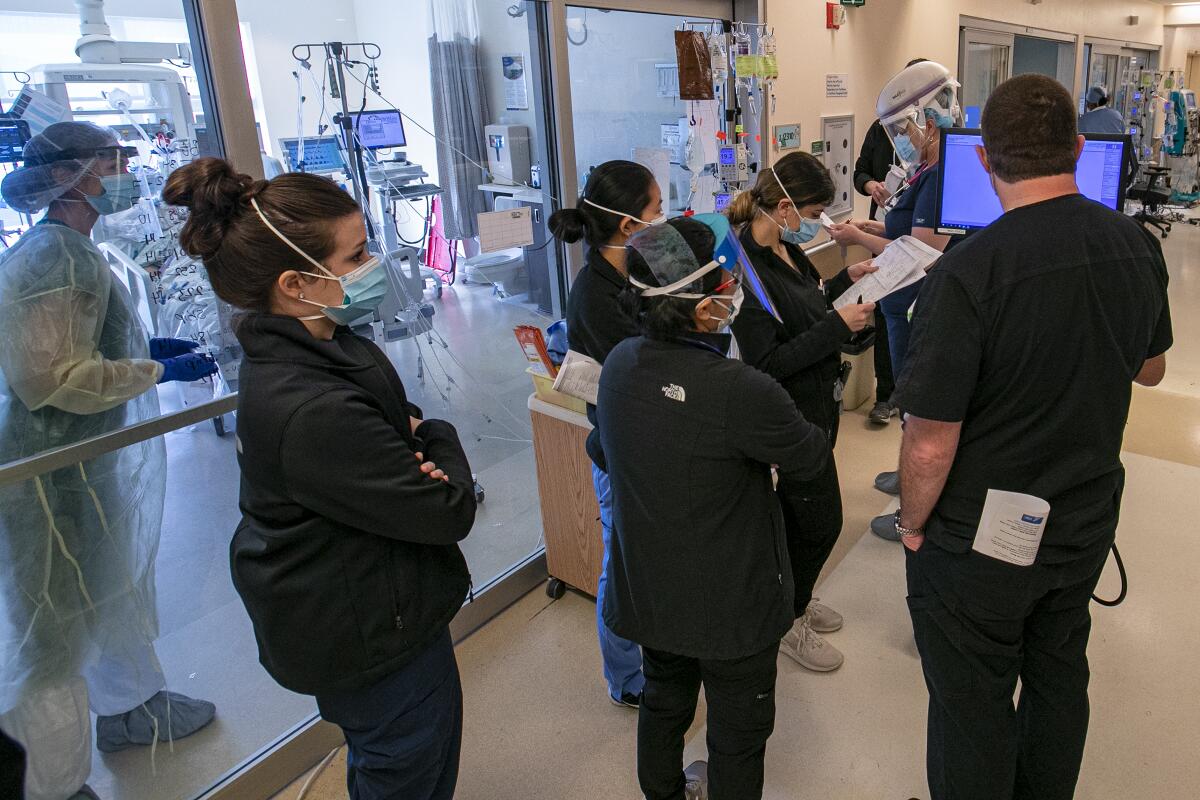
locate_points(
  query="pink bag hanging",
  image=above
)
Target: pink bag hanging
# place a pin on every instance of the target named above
(440, 253)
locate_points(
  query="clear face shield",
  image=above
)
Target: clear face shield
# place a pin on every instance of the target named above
(676, 269)
(907, 127)
(678, 273)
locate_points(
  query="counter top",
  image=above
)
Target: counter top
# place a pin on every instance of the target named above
(558, 412)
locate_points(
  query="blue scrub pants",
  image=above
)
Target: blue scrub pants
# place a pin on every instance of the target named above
(622, 658)
(403, 734)
(895, 311)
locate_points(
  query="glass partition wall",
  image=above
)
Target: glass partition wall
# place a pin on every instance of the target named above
(126, 514)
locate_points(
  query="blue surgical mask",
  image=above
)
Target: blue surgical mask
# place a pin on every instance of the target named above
(809, 228)
(363, 288)
(905, 150)
(940, 118)
(119, 192)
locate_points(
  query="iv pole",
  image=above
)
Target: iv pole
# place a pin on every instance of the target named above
(335, 54)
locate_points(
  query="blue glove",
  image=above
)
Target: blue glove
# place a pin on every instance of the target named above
(187, 367)
(161, 349)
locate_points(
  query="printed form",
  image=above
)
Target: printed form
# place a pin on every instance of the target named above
(1011, 527)
(579, 377)
(902, 263)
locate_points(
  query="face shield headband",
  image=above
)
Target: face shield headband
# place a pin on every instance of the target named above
(728, 253)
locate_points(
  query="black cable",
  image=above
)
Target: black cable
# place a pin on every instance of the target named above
(1124, 582)
(424, 232)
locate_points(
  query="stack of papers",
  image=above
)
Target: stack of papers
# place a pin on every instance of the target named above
(902, 263)
(579, 377)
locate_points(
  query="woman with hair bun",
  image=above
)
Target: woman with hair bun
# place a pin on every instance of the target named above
(347, 556)
(802, 350)
(620, 198)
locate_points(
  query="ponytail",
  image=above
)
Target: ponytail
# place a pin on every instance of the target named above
(743, 208)
(807, 181)
(623, 186)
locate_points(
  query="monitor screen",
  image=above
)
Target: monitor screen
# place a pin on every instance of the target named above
(966, 200)
(322, 155)
(14, 134)
(379, 130)
(727, 155)
(1191, 99)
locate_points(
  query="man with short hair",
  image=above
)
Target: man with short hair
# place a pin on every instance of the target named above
(1099, 117)
(1026, 341)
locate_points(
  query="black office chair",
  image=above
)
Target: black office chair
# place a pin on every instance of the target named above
(1154, 192)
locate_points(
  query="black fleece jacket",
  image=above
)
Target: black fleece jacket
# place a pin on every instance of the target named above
(346, 557)
(802, 351)
(596, 324)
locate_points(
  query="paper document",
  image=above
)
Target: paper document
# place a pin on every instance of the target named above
(1011, 527)
(38, 109)
(579, 377)
(902, 263)
(500, 230)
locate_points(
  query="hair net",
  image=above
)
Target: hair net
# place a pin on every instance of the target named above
(66, 147)
(1096, 95)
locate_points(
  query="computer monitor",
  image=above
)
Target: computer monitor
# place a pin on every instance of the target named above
(966, 201)
(322, 154)
(14, 135)
(379, 130)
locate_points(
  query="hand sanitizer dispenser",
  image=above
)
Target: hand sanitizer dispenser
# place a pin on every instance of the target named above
(508, 153)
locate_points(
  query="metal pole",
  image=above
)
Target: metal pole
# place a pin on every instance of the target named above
(335, 51)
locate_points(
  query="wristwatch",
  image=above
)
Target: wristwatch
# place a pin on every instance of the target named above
(907, 533)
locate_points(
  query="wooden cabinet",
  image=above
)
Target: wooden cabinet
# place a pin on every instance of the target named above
(570, 515)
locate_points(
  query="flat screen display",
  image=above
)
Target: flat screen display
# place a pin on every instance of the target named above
(379, 130)
(14, 134)
(966, 200)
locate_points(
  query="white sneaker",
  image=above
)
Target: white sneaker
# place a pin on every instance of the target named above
(696, 776)
(822, 618)
(808, 649)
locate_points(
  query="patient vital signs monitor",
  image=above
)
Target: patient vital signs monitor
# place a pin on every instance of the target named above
(966, 200)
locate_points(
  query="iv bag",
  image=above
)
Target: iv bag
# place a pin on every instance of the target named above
(695, 68)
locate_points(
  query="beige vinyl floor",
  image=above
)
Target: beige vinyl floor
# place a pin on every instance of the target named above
(538, 723)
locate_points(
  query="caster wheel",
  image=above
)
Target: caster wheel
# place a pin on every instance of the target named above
(479, 493)
(555, 589)
(219, 425)
(438, 294)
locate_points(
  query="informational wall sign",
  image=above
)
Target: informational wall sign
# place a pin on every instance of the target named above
(837, 84)
(516, 94)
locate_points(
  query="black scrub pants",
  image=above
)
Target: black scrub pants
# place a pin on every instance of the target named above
(885, 382)
(980, 624)
(404, 734)
(741, 716)
(812, 519)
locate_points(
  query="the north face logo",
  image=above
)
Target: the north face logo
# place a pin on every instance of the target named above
(674, 392)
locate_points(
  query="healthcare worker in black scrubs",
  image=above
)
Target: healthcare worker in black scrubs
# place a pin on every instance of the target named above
(620, 198)
(800, 348)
